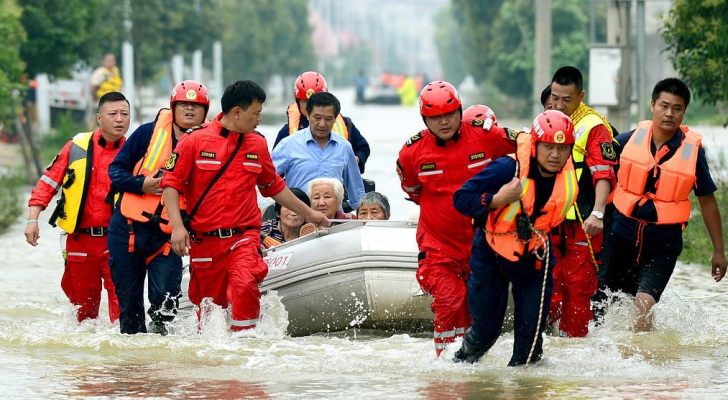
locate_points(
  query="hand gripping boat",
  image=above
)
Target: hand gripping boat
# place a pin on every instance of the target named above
(353, 275)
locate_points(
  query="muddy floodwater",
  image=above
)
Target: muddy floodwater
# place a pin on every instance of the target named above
(45, 353)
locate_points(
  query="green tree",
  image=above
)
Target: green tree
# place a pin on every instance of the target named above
(499, 41)
(12, 36)
(265, 37)
(60, 34)
(448, 37)
(159, 29)
(696, 32)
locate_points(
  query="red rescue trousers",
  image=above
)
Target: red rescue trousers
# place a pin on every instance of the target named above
(87, 265)
(575, 279)
(228, 270)
(445, 279)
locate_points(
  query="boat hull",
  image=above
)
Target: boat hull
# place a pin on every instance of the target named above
(352, 276)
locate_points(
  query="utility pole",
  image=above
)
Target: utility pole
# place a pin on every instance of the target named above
(542, 66)
(618, 35)
(641, 88)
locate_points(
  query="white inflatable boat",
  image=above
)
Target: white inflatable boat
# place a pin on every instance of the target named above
(352, 275)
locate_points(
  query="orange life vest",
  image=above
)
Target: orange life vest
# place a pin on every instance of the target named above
(146, 207)
(500, 228)
(677, 176)
(294, 119)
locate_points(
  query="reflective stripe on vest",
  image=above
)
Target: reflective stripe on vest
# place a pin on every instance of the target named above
(294, 120)
(500, 230)
(585, 119)
(141, 207)
(74, 196)
(676, 176)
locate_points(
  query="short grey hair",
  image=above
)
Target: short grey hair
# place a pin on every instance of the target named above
(375, 199)
(334, 183)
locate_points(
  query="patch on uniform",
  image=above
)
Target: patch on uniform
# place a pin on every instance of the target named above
(559, 137)
(608, 151)
(399, 171)
(251, 156)
(194, 128)
(476, 122)
(207, 154)
(427, 167)
(52, 163)
(414, 138)
(477, 156)
(579, 133)
(512, 135)
(171, 162)
(191, 95)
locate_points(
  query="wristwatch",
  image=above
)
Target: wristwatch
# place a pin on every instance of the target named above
(598, 214)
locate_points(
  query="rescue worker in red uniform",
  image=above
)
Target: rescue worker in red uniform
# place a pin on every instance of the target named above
(80, 171)
(431, 166)
(139, 230)
(517, 201)
(661, 163)
(578, 241)
(224, 220)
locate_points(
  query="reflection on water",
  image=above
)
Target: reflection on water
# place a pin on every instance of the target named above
(44, 353)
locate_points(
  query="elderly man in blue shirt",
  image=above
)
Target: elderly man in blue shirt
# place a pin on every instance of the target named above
(314, 152)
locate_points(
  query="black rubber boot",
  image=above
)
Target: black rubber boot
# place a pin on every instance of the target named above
(158, 327)
(470, 352)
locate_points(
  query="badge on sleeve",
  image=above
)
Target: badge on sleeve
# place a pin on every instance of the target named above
(608, 152)
(512, 134)
(399, 171)
(52, 163)
(171, 162)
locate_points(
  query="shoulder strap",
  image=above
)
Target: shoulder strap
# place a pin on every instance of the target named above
(216, 178)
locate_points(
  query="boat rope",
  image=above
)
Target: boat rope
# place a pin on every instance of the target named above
(588, 240)
(544, 239)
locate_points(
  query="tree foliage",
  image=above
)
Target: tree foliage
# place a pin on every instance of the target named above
(696, 33)
(12, 36)
(60, 34)
(159, 29)
(448, 39)
(499, 38)
(266, 37)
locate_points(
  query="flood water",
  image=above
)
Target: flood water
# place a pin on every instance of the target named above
(45, 353)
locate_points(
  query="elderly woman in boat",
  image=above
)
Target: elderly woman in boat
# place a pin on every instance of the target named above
(327, 196)
(373, 206)
(286, 226)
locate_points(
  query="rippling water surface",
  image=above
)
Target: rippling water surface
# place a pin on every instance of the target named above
(44, 353)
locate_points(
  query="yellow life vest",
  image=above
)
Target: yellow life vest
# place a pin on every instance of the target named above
(146, 207)
(501, 230)
(112, 83)
(294, 119)
(75, 183)
(585, 119)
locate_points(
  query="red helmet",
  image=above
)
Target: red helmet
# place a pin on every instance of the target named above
(552, 126)
(480, 112)
(438, 98)
(309, 83)
(191, 92)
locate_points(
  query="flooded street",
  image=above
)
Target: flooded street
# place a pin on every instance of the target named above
(45, 353)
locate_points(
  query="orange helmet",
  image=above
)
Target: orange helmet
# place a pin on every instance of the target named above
(191, 92)
(480, 112)
(438, 98)
(552, 126)
(309, 83)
